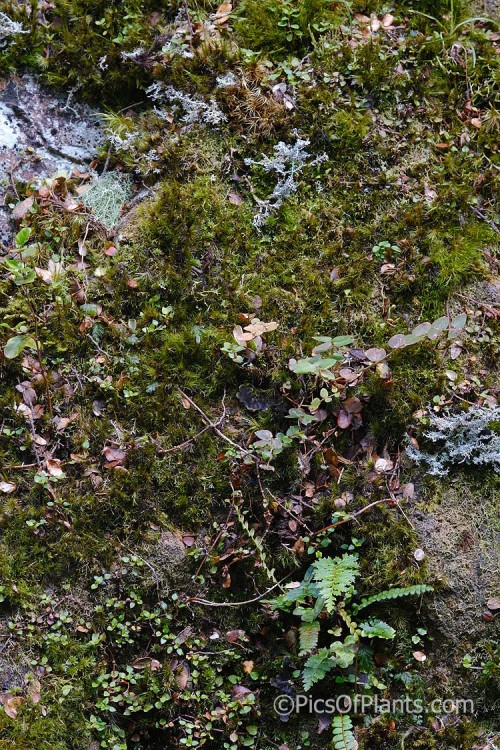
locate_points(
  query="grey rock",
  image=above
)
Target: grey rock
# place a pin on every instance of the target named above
(41, 133)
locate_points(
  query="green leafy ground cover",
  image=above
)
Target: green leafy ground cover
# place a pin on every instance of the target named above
(211, 401)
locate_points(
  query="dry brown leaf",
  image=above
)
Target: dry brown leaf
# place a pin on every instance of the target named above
(383, 370)
(344, 419)
(54, 467)
(62, 423)
(375, 355)
(352, 405)
(383, 465)
(21, 209)
(408, 490)
(257, 328)
(347, 374)
(11, 706)
(222, 13)
(182, 675)
(236, 635)
(234, 198)
(34, 691)
(113, 454)
(146, 662)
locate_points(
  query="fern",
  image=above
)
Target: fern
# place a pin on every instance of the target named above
(416, 590)
(308, 635)
(299, 594)
(345, 653)
(376, 629)
(343, 737)
(334, 577)
(316, 667)
(346, 617)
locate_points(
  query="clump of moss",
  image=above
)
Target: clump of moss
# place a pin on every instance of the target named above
(282, 28)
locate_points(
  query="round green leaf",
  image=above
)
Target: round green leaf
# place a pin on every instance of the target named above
(16, 344)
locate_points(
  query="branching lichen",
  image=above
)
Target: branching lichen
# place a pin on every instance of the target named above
(463, 438)
(191, 109)
(288, 161)
(9, 28)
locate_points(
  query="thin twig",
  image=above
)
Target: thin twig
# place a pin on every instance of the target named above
(19, 467)
(213, 425)
(483, 216)
(164, 451)
(355, 515)
(495, 312)
(106, 163)
(190, 25)
(214, 543)
(206, 603)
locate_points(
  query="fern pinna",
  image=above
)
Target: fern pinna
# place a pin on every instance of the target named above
(343, 737)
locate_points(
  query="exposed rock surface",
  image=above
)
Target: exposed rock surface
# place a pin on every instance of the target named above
(40, 134)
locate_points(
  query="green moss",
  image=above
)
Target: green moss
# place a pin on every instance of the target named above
(87, 582)
(282, 28)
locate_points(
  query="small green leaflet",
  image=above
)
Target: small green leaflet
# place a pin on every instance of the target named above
(377, 629)
(16, 344)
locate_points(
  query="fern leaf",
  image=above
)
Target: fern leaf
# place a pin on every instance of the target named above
(316, 667)
(298, 593)
(308, 635)
(334, 577)
(417, 590)
(346, 618)
(343, 737)
(345, 653)
(376, 629)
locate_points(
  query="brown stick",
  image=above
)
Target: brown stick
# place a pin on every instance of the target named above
(19, 467)
(355, 515)
(206, 603)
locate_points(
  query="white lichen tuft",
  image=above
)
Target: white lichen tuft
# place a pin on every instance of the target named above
(134, 54)
(464, 438)
(106, 196)
(9, 28)
(287, 161)
(228, 80)
(190, 110)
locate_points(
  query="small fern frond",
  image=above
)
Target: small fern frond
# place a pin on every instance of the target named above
(316, 667)
(346, 618)
(416, 590)
(376, 629)
(343, 737)
(344, 653)
(334, 577)
(308, 635)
